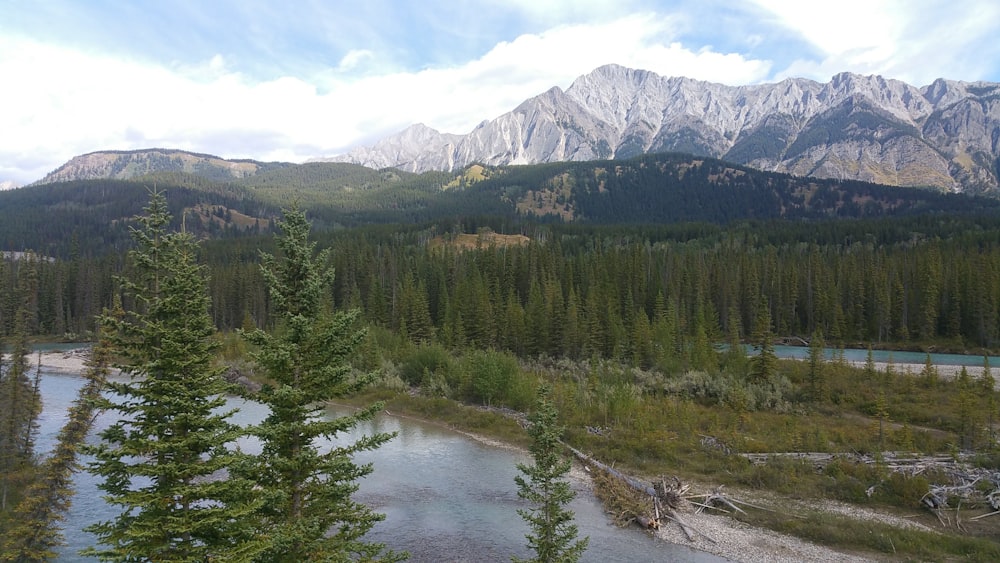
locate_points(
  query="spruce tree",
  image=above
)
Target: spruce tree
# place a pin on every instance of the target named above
(163, 462)
(965, 408)
(19, 410)
(987, 384)
(764, 366)
(552, 529)
(36, 530)
(308, 512)
(817, 368)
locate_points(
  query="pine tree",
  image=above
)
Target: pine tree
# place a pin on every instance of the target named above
(817, 368)
(161, 461)
(882, 415)
(870, 371)
(929, 375)
(735, 359)
(987, 384)
(552, 529)
(36, 531)
(965, 407)
(308, 513)
(19, 409)
(764, 366)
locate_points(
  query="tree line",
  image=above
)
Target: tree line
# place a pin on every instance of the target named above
(634, 294)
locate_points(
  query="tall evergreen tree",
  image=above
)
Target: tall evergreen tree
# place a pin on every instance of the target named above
(988, 387)
(763, 366)
(19, 410)
(817, 367)
(308, 512)
(36, 531)
(553, 533)
(965, 409)
(161, 461)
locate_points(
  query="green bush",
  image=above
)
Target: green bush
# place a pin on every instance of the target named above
(491, 375)
(902, 490)
(423, 360)
(520, 394)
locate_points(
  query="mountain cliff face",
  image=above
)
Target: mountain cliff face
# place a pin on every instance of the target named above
(124, 165)
(945, 135)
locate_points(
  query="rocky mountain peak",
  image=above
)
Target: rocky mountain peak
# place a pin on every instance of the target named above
(854, 126)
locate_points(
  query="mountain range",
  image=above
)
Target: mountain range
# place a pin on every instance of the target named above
(649, 189)
(945, 135)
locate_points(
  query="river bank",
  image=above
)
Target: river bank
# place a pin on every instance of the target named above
(730, 538)
(65, 361)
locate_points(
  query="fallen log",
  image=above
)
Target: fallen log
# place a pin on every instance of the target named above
(630, 481)
(985, 515)
(632, 500)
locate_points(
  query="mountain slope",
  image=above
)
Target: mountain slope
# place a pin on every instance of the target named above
(854, 127)
(670, 188)
(93, 217)
(655, 188)
(126, 165)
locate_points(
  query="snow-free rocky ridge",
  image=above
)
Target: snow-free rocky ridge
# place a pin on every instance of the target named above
(945, 135)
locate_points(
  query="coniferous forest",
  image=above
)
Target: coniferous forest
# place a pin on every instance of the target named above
(578, 291)
(625, 289)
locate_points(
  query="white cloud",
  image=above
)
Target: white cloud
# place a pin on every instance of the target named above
(62, 102)
(353, 58)
(911, 40)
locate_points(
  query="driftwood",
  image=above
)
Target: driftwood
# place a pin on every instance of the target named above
(985, 515)
(717, 498)
(956, 478)
(631, 500)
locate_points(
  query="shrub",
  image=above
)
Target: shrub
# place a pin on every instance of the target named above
(421, 360)
(490, 374)
(902, 490)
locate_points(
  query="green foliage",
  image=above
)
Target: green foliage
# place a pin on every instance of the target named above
(159, 459)
(553, 533)
(490, 374)
(649, 295)
(737, 393)
(20, 406)
(20, 403)
(989, 397)
(818, 390)
(36, 531)
(425, 360)
(90, 218)
(307, 512)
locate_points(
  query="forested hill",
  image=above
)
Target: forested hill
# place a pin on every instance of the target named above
(668, 188)
(92, 217)
(650, 189)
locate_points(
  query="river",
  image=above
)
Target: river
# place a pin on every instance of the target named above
(856, 355)
(446, 497)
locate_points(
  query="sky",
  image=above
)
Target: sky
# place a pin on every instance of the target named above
(292, 80)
